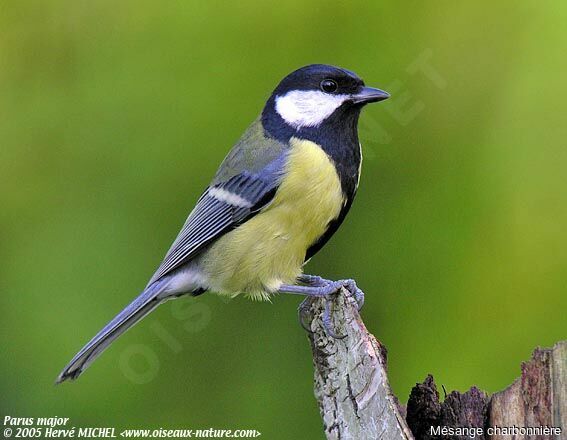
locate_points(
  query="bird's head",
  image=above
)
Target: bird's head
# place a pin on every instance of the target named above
(317, 95)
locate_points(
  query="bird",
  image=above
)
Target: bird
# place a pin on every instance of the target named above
(276, 199)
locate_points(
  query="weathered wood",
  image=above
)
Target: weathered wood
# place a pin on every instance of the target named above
(466, 410)
(356, 402)
(351, 385)
(423, 409)
(538, 398)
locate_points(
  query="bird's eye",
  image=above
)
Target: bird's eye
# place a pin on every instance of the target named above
(329, 86)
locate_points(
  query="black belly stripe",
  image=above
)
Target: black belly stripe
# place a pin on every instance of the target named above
(338, 137)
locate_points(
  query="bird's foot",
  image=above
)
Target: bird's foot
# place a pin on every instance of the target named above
(317, 287)
(329, 287)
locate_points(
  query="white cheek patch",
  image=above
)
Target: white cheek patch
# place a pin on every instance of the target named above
(307, 108)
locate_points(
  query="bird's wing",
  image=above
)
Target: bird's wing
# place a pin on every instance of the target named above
(245, 183)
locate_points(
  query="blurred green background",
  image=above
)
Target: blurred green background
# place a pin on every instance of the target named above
(115, 115)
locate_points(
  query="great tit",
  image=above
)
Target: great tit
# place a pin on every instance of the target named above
(276, 199)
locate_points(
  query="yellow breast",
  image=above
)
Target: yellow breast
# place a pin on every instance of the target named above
(269, 249)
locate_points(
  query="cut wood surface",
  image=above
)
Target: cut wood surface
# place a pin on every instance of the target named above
(356, 402)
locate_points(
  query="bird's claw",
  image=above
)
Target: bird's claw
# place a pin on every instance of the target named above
(327, 321)
(355, 292)
(303, 311)
(326, 289)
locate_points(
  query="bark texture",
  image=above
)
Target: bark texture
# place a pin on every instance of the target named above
(538, 397)
(351, 385)
(356, 402)
(425, 410)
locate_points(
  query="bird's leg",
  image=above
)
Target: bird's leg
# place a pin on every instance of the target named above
(317, 287)
(312, 280)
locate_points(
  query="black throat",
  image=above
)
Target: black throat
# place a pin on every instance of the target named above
(337, 136)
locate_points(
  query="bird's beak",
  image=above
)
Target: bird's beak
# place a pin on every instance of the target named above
(369, 94)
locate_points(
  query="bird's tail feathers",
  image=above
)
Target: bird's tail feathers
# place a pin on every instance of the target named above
(147, 301)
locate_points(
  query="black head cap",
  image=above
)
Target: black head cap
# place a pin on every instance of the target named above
(317, 97)
(311, 78)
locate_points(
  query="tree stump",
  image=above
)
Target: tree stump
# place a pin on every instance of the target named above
(356, 402)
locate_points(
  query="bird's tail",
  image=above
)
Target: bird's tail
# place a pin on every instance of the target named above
(147, 301)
